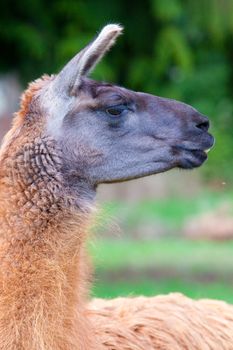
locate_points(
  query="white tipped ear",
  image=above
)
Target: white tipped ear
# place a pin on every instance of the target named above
(95, 51)
(69, 79)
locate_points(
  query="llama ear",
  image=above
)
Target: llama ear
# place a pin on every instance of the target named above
(69, 79)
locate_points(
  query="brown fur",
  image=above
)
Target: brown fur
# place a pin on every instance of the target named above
(167, 322)
(44, 269)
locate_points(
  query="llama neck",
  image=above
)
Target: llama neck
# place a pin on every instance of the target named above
(42, 253)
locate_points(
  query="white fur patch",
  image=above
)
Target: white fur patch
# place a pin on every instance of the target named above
(55, 107)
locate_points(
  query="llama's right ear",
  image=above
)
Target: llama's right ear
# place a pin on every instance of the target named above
(69, 79)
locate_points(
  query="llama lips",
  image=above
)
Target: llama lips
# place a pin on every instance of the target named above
(192, 158)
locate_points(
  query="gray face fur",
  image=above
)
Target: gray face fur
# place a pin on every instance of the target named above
(108, 133)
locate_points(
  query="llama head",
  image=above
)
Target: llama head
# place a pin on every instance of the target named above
(108, 133)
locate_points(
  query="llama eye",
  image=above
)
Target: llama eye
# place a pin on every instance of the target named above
(115, 111)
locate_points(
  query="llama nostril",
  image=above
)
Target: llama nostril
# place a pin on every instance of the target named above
(204, 125)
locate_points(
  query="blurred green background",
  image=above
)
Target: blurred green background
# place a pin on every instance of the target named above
(175, 233)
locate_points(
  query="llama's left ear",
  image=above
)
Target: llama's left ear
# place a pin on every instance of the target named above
(69, 79)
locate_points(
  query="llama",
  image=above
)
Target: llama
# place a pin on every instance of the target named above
(71, 134)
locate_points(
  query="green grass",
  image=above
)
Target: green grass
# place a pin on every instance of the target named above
(199, 268)
(221, 291)
(171, 264)
(181, 254)
(172, 212)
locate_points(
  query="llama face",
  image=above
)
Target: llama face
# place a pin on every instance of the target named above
(118, 134)
(108, 133)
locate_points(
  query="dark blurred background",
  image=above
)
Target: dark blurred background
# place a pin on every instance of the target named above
(169, 232)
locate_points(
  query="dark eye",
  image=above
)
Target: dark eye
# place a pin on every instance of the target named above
(115, 111)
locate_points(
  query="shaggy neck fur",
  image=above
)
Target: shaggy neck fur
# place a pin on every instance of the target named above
(42, 254)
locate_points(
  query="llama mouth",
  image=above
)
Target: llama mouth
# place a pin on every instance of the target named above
(192, 158)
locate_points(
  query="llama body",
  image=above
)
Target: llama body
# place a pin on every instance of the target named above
(163, 322)
(71, 134)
